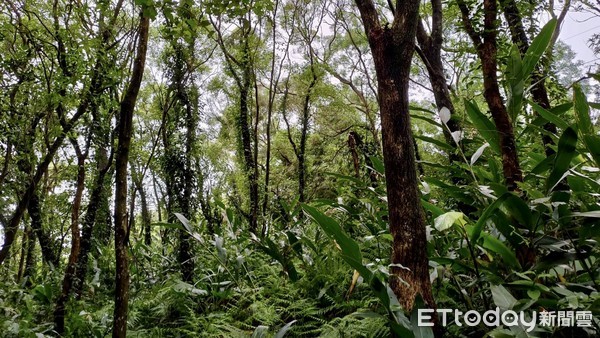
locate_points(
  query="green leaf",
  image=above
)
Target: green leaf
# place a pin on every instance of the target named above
(272, 250)
(495, 245)
(377, 165)
(549, 116)
(502, 298)
(448, 219)
(519, 210)
(592, 142)
(420, 331)
(441, 144)
(582, 111)
(538, 47)
(350, 249)
(486, 128)
(486, 214)
(426, 119)
(435, 210)
(516, 82)
(566, 151)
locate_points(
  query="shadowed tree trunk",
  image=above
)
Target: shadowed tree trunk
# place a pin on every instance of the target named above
(538, 88)
(59, 309)
(430, 52)
(485, 43)
(392, 48)
(122, 157)
(241, 71)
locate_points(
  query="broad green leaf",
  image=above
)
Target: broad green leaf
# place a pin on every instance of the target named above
(441, 144)
(592, 142)
(584, 123)
(508, 229)
(538, 47)
(493, 244)
(435, 210)
(378, 165)
(426, 119)
(516, 82)
(549, 116)
(566, 151)
(273, 250)
(519, 210)
(486, 128)
(420, 331)
(448, 219)
(502, 298)
(350, 249)
(582, 110)
(486, 214)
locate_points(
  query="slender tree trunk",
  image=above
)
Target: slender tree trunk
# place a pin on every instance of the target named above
(87, 229)
(301, 154)
(46, 243)
(22, 256)
(392, 48)
(30, 258)
(353, 145)
(243, 79)
(244, 126)
(122, 157)
(430, 51)
(59, 309)
(538, 87)
(146, 218)
(485, 42)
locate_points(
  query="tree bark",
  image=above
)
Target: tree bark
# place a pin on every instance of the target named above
(430, 51)
(485, 43)
(59, 309)
(392, 49)
(122, 157)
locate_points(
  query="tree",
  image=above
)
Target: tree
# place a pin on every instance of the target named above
(486, 45)
(392, 48)
(121, 161)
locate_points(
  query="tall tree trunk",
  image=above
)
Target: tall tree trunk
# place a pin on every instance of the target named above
(30, 258)
(46, 243)
(122, 157)
(87, 228)
(305, 119)
(244, 127)
(146, 218)
(392, 48)
(485, 43)
(430, 51)
(243, 80)
(538, 87)
(24, 241)
(59, 309)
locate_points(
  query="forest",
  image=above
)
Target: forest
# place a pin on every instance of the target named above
(298, 168)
